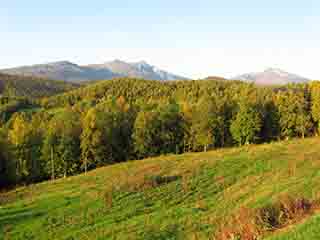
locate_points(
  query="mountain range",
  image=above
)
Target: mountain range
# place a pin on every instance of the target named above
(71, 72)
(271, 76)
(68, 71)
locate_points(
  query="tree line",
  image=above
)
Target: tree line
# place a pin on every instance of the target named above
(116, 121)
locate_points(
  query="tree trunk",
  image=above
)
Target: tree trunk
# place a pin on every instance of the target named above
(85, 166)
(222, 139)
(52, 165)
(65, 171)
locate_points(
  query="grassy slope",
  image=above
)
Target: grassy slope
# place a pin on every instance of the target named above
(212, 186)
(310, 229)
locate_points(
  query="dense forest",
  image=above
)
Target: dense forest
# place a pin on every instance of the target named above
(123, 119)
(25, 86)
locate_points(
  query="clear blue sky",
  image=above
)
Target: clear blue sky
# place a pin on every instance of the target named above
(193, 38)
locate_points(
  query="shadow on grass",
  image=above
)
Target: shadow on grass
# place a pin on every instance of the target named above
(162, 180)
(17, 216)
(171, 232)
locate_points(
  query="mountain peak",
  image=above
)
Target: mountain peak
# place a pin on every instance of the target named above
(116, 61)
(140, 69)
(273, 69)
(143, 66)
(68, 71)
(271, 76)
(142, 62)
(60, 63)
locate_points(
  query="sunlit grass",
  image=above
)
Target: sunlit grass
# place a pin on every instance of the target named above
(169, 197)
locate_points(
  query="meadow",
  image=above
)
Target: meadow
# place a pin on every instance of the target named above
(188, 196)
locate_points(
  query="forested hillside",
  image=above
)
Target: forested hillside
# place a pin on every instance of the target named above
(122, 119)
(22, 93)
(24, 86)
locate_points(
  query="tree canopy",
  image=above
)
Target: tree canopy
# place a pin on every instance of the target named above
(122, 119)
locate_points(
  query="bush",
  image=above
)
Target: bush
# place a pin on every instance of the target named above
(161, 180)
(287, 209)
(251, 224)
(171, 232)
(269, 217)
(240, 226)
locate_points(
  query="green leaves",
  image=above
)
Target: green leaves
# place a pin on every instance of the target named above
(159, 131)
(106, 134)
(294, 114)
(117, 120)
(315, 102)
(246, 126)
(61, 145)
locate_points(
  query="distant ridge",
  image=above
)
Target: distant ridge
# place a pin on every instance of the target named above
(137, 69)
(271, 76)
(68, 71)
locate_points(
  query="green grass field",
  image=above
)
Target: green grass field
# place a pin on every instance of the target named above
(169, 197)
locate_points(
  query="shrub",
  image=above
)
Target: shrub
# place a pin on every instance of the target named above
(240, 226)
(287, 209)
(158, 180)
(269, 217)
(144, 182)
(171, 232)
(251, 224)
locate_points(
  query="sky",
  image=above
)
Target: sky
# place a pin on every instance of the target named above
(195, 39)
